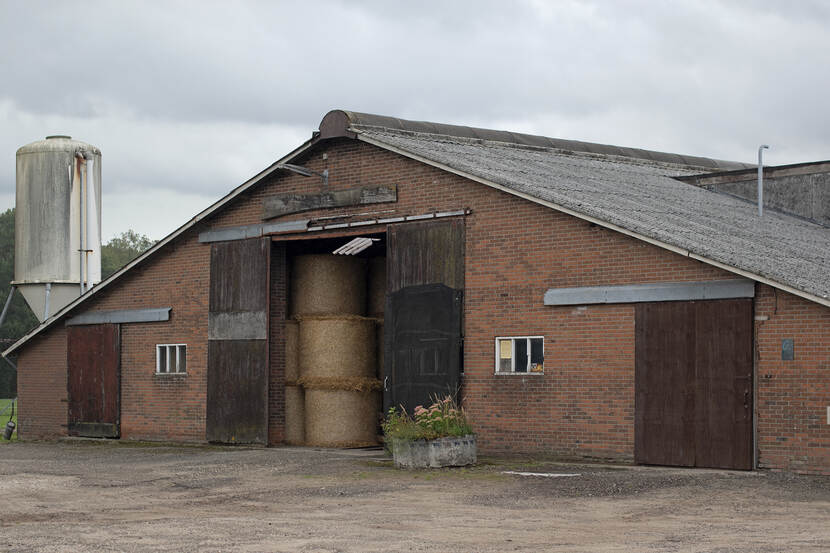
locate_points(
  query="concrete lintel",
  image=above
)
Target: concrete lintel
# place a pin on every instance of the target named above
(251, 231)
(659, 291)
(121, 316)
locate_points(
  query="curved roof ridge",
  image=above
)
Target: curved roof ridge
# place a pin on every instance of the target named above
(341, 122)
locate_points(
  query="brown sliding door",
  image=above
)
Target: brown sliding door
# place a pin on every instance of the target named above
(693, 382)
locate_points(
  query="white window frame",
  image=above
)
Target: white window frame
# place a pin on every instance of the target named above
(513, 355)
(179, 349)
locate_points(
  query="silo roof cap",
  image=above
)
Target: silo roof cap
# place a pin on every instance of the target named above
(58, 143)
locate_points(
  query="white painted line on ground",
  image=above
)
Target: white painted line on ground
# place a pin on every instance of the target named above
(543, 474)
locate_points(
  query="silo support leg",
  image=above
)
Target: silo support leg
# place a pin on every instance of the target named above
(6, 306)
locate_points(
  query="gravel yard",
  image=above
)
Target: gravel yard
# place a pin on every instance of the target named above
(109, 496)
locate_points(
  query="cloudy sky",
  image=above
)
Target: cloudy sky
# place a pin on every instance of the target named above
(189, 99)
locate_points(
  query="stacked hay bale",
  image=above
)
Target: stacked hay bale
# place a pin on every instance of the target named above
(336, 347)
(294, 394)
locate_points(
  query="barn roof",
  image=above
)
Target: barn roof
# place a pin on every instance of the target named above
(626, 189)
(638, 197)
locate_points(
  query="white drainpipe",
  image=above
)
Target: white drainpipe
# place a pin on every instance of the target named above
(761, 149)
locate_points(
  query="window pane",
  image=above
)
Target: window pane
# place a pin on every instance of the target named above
(161, 354)
(521, 355)
(537, 356)
(505, 355)
(182, 359)
(171, 358)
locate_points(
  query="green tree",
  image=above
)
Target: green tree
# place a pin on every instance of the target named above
(19, 318)
(121, 250)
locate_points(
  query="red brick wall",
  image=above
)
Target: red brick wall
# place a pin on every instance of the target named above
(153, 407)
(793, 396)
(581, 406)
(41, 387)
(584, 403)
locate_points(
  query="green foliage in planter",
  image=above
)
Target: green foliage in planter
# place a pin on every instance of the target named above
(442, 419)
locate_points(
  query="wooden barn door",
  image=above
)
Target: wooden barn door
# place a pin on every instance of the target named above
(237, 376)
(424, 308)
(693, 384)
(93, 363)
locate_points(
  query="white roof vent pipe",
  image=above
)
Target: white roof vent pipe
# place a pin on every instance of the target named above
(761, 149)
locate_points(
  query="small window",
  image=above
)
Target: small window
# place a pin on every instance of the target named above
(171, 358)
(520, 354)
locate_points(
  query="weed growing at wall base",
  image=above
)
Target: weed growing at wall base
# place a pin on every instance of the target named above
(443, 419)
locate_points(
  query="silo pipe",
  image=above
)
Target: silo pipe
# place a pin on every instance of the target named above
(81, 174)
(46, 303)
(89, 188)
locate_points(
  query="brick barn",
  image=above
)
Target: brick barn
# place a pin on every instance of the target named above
(589, 301)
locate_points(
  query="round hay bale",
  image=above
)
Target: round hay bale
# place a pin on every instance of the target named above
(341, 418)
(380, 346)
(376, 297)
(350, 384)
(294, 415)
(337, 347)
(292, 352)
(328, 284)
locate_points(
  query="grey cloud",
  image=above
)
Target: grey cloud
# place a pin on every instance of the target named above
(193, 79)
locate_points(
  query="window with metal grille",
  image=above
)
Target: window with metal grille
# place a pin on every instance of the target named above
(520, 355)
(171, 358)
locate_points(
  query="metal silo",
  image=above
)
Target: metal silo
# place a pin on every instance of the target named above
(57, 222)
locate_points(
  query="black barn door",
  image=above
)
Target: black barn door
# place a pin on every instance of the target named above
(237, 376)
(424, 308)
(693, 384)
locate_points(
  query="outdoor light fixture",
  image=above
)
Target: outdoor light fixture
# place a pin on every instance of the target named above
(305, 171)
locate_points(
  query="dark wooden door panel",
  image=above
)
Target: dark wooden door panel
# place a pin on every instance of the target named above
(425, 334)
(693, 383)
(723, 364)
(424, 309)
(238, 347)
(237, 275)
(237, 391)
(425, 253)
(664, 376)
(93, 363)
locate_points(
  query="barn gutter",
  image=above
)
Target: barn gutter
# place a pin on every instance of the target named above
(599, 222)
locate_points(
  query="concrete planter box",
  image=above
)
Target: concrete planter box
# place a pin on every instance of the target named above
(443, 452)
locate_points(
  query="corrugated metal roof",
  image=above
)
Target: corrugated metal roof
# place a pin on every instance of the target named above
(639, 198)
